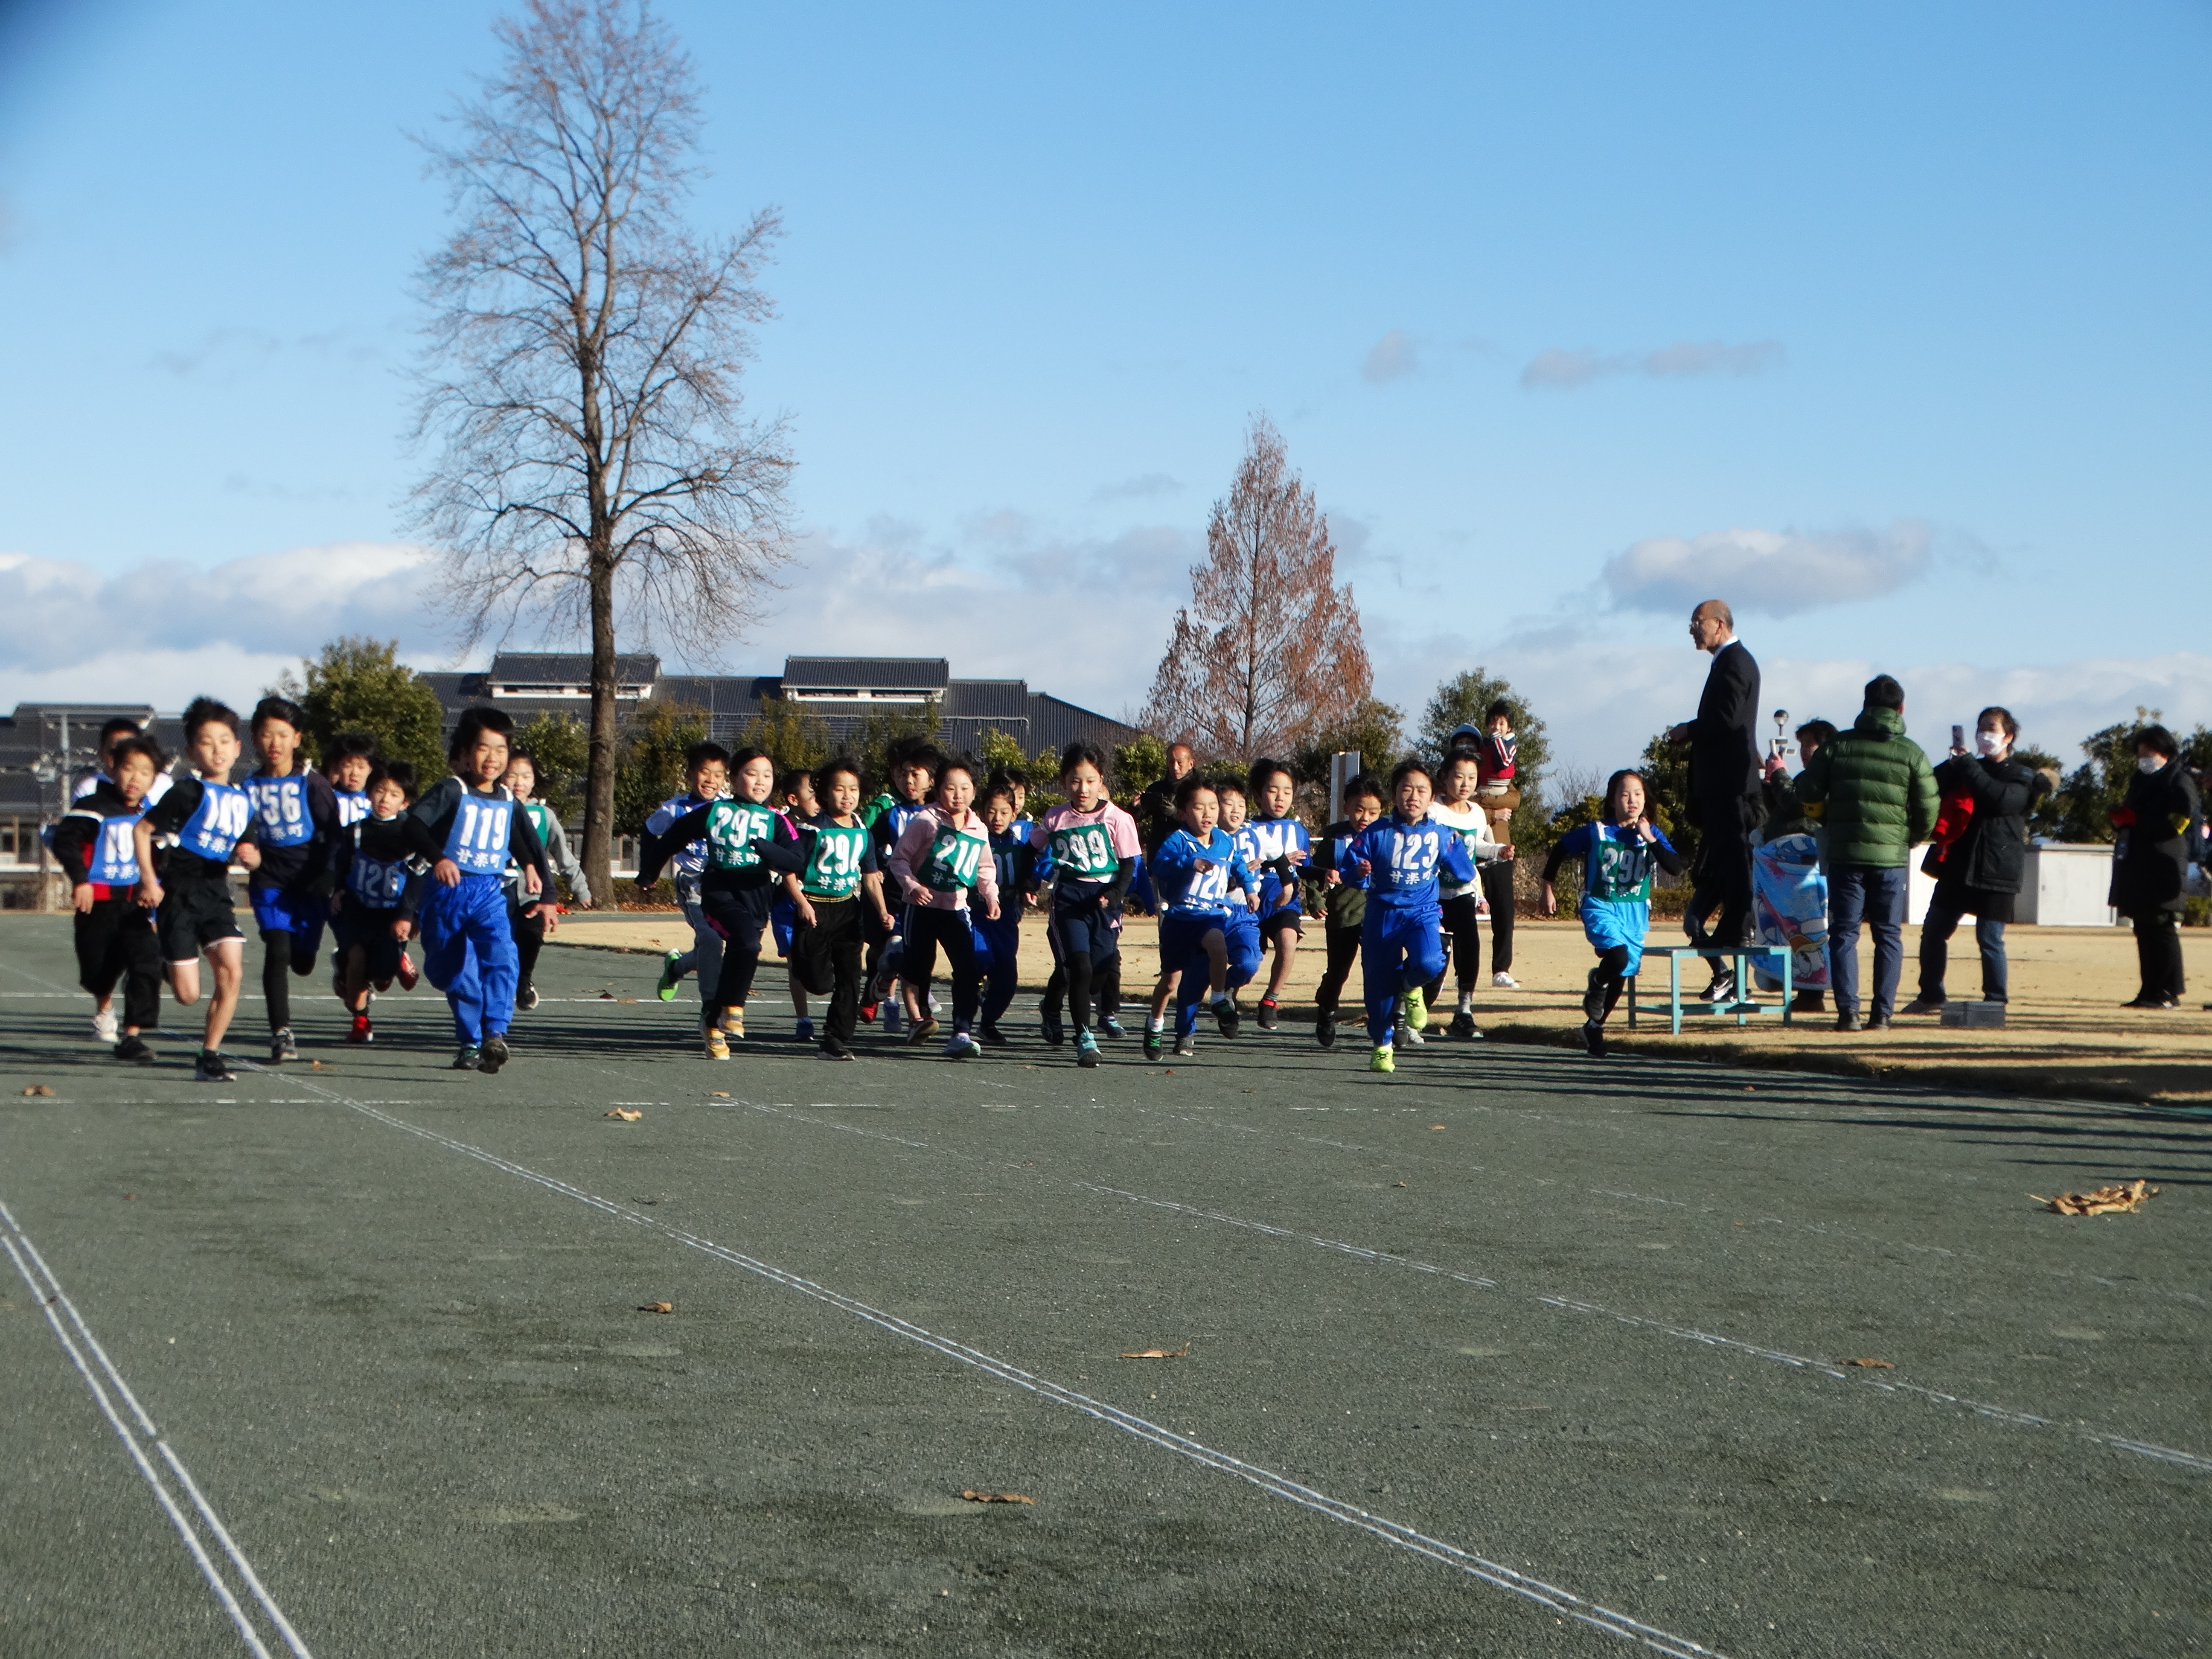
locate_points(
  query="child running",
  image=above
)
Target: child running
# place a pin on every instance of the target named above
(706, 775)
(796, 798)
(295, 815)
(1401, 856)
(347, 763)
(1087, 849)
(1457, 808)
(467, 826)
(201, 823)
(1241, 931)
(912, 764)
(1344, 900)
(97, 845)
(833, 881)
(1618, 856)
(529, 922)
(1193, 872)
(1012, 858)
(736, 891)
(379, 883)
(1276, 844)
(943, 851)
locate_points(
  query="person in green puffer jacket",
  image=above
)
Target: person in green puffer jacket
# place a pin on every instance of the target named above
(1872, 792)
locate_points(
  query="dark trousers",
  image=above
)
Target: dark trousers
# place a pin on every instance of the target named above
(1497, 878)
(2158, 952)
(825, 960)
(1002, 969)
(1875, 895)
(1605, 980)
(1342, 947)
(115, 941)
(529, 938)
(1943, 918)
(1083, 945)
(1722, 877)
(927, 928)
(1464, 929)
(737, 914)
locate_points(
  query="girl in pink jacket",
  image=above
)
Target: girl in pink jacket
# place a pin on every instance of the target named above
(945, 850)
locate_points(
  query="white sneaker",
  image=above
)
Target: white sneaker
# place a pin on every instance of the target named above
(1505, 981)
(104, 1026)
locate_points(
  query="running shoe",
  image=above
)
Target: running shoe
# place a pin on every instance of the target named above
(1325, 1028)
(1462, 1025)
(734, 1022)
(960, 1046)
(1722, 989)
(1593, 1037)
(362, 1031)
(1186, 1046)
(833, 1049)
(409, 973)
(528, 1000)
(891, 1021)
(106, 1027)
(281, 1047)
(670, 975)
(494, 1054)
(1505, 981)
(1155, 1038)
(1382, 1059)
(134, 1048)
(1269, 1008)
(993, 1037)
(1225, 1015)
(1110, 1027)
(1049, 1022)
(212, 1068)
(718, 1046)
(1405, 1036)
(868, 1011)
(1415, 1007)
(467, 1056)
(802, 1029)
(923, 1030)
(1086, 1049)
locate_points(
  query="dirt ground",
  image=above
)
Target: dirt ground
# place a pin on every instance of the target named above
(2065, 1032)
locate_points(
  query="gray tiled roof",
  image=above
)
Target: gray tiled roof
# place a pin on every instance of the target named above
(568, 668)
(867, 673)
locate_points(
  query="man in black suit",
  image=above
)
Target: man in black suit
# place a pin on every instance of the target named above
(1724, 784)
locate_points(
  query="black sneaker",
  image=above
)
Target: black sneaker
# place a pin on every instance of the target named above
(1155, 1038)
(833, 1049)
(1325, 1028)
(494, 1054)
(1226, 1016)
(1722, 989)
(467, 1056)
(527, 1000)
(1110, 1027)
(281, 1047)
(1186, 1045)
(1268, 1010)
(1847, 1022)
(1593, 1037)
(133, 1047)
(1463, 1026)
(925, 1028)
(210, 1068)
(1049, 1022)
(992, 1036)
(1878, 1023)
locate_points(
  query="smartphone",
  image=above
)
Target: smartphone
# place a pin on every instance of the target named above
(1958, 737)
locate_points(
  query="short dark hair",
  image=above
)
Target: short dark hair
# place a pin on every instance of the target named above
(789, 783)
(825, 776)
(121, 723)
(475, 722)
(396, 772)
(1228, 783)
(699, 753)
(1000, 787)
(279, 708)
(2004, 718)
(746, 755)
(1017, 776)
(139, 744)
(1076, 753)
(1365, 784)
(201, 710)
(1263, 774)
(1192, 781)
(1498, 706)
(1823, 732)
(349, 745)
(2158, 738)
(911, 751)
(514, 754)
(1884, 692)
(950, 763)
(1406, 769)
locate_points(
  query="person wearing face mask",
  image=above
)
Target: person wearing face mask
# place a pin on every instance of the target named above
(2150, 857)
(1987, 796)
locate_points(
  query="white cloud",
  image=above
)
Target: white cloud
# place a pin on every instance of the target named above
(1774, 572)
(1567, 371)
(1393, 356)
(1145, 487)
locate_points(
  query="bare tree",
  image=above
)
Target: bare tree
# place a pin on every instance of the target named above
(581, 376)
(1268, 652)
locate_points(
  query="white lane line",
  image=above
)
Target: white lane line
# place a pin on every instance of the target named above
(50, 1295)
(2186, 1459)
(1564, 1602)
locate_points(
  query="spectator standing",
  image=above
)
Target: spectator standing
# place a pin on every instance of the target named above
(1498, 793)
(2150, 858)
(1723, 784)
(1874, 792)
(1789, 879)
(1978, 869)
(1156, 809)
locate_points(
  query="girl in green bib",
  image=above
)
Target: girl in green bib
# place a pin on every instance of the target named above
(943, 853)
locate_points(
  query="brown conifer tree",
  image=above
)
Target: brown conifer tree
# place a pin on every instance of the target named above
(1268, 652)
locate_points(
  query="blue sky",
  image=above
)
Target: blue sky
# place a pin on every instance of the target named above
(1892, 324)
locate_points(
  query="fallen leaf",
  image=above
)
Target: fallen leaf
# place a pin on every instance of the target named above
(38, 1089)
(1436, 1126)
(606, 996)
(974, 1497)
(1871, 1365)
(1397, 1183)
(657, 1307)
(626, 1114)
(720, 1094)
(1170, 1071)
(1160, 1353)
(315, 1065)
(129, 1195)
(2123, 1200)
(625, 999)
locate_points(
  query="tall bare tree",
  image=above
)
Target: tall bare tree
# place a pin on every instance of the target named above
(581, 375)
(1268, 652)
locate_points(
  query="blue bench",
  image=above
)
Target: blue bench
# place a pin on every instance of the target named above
(1744, 1004)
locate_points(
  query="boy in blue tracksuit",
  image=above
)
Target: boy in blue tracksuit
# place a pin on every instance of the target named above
(1000, 937)
(1401, 945)
(1276, 844)
(707, 771)
(1193, 874)
(468, 825)
(1619, 855)
(295, 814)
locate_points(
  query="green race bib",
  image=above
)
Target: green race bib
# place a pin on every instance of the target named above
(834, 870)
(731, 828)
(1086, 851)
(954, 858)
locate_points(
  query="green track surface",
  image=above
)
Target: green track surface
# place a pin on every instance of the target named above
(387, 1316)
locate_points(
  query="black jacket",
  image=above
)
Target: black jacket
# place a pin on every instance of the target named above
(1990, 856)
(2152, 856)
(1724, 772)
